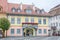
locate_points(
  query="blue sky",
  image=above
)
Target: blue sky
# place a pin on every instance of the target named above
(45, 4)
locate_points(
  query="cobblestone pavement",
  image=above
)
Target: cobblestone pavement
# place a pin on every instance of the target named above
(32, 38)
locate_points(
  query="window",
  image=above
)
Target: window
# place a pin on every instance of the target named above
(56, 24)
(12, 20)
(18, 20)
(0, 9)
(40, 31)
(32, 20)
(13, 10)
(59, 24)
(28, 11)
(18, 31)
(12, 31)
(45, 31)
(39, 21)
(26, 20)
(44, 21)
(37, 11)
(19, 10)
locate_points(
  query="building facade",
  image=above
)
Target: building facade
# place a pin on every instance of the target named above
(25, 19)
(54, 21)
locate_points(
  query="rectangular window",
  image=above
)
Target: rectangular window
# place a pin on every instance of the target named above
(44, 21)
(12, 20)
(40, 31)
(56, 24)
(12, 31)
(39, 21)
(18, 20)
(18, 31)
(26, 20)
(32, 20)
(45, 31)
(28, 11)
(59, 24)
(0, 9)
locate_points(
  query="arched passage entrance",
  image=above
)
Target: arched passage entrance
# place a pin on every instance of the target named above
(29, 31)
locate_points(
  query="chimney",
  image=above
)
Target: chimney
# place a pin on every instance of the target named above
(21, 5)
(33, 6)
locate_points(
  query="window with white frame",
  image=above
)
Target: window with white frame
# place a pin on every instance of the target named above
(18, 20)
(32, 20)
(26, 19)
(12, 20)
(44, 21)
(39, 21)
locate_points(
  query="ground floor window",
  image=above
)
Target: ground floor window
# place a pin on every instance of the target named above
(40, 31)
(45, 31)
(12, 31)
(18, 31)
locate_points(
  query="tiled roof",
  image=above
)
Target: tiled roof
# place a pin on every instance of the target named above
(8, 6)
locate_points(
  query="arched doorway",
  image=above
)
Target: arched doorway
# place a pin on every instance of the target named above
(29, 31)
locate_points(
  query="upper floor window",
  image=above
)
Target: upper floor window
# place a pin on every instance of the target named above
(44, 21)
(39, 21)
(13, 10)
(12, 20)
(28, 11)
(32, 20)
(18, 20)
(18, 10)
(26, 20)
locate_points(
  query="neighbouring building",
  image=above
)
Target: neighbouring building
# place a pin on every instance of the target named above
(25, 19)
(54, 21)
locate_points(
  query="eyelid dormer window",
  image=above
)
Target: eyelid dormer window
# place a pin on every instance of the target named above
(18, 10)
(13, 10)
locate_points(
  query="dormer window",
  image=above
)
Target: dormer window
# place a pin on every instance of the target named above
(38, 11)
(18, 10)
(13, 10)
(28, 11)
